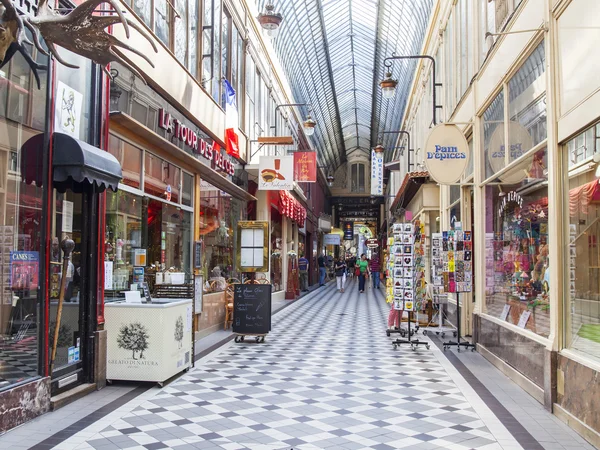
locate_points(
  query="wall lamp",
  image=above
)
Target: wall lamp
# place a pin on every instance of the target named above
(308, 125)
(388, 84)
(329, 177)
(489, 37)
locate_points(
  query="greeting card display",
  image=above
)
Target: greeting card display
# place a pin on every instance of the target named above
(451, 262)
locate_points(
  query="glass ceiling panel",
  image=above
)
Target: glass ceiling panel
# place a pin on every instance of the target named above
(333, 52)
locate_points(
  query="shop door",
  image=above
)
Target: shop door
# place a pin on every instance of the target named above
(74, 343)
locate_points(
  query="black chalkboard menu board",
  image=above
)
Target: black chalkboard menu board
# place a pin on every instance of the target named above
(252, 308)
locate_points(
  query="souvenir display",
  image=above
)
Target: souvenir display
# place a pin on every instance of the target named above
(451, 263)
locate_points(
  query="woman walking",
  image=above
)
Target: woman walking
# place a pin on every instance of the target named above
(340, 273)
(363, 269)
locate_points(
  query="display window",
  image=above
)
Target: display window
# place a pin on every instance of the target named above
(516, 235)
(582, 252)
(148, 234)
(276, 249)
(217, 222)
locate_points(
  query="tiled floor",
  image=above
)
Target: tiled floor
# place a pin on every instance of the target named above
(326, 377)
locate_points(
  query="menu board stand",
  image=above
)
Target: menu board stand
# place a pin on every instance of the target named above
(251, 311)
(458, 343)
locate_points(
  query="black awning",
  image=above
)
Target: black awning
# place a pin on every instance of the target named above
(77, 164)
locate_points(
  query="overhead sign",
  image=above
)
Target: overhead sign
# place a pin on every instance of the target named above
(331, 239)
(446, 154)
(276, 173)
(348, 231)
(376, 173)
(520, 142)
(305, 167)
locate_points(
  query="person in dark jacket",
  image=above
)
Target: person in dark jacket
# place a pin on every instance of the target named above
(340, 273)
(375, 268)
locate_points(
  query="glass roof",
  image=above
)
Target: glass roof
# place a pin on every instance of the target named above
(333, 52)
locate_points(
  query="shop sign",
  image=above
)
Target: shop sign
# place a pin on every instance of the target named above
(446, 154)
(331, 239)
(348, 231)
(276, 173)
(372, 243)
(199, 146)
(520, 142)
(511, 197)
(305, 167)
(376, 173)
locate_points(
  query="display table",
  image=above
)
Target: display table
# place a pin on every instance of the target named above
(148, 341)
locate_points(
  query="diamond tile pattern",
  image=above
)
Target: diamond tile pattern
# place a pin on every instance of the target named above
(321, 380)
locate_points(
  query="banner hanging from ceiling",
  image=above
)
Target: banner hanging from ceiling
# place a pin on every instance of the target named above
(446, 154)
(276, 173)
(376, 173)
(305, 167)
(348, 231)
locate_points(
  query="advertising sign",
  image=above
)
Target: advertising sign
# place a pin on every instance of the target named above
(446, 154)
(372, 243)
(67, 112)
(276, 173)
(24, 270)
(520, 142)
(305, 167)
(376, 173)
(331, 239)
(348, 231)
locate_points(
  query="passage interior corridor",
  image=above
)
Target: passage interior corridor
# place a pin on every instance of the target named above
(327, 377)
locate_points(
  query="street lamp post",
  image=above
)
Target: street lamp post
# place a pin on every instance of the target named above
(308, 125)
(388, 85)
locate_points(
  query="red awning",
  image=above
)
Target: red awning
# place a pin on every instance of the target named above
(290, 207)
(581, 197)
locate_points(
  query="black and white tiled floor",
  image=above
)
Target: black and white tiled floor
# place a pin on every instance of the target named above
(326, 377)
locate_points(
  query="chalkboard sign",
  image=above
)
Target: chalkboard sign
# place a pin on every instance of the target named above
(252, 308)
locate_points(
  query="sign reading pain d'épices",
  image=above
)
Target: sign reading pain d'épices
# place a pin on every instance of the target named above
(446, 154)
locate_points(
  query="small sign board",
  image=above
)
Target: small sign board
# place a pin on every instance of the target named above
(146, 290)
(523, 319)
(372, 243)
(252, 308)
(505, 311)
(331, 239)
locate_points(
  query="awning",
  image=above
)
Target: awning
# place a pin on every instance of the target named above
(290, 207)
(410, 186)
(206, 173)
(76, 164)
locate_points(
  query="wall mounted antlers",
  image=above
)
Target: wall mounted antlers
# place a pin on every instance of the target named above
(79, 31)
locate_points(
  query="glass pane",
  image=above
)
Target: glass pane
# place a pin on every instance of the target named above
(130, 158)
(527, 104)
(225, 52)
(161, 20)
(142, 9)
(123, 235)
(219, 214)
(361, 178)
(493, 136)
(216, 82)
(517, 243)
(193, 37)
(161, 178)
(276, 248)
(582, 253)
(188, 189)
(181, 32)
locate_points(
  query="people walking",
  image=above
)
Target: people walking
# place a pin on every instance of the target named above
(303, 268)
(363, 272)
(340, 273)
(351, 262)
(375, 268)
(322, 270)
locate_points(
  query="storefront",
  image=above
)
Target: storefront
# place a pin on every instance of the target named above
(177, 195)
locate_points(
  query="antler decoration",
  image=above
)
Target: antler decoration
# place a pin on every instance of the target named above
(79, 31)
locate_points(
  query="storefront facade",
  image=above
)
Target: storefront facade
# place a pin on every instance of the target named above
(529, 193)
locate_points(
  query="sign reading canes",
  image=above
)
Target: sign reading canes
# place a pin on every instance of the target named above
(446, 154)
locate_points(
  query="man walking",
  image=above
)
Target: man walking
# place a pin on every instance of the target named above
(303, 268)
(322, 271)
(375, 268)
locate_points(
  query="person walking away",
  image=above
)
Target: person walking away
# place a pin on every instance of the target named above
(363, 268)
(322, 270)
(303, 268)
(351, 262)
(375, 268)
(340, 273)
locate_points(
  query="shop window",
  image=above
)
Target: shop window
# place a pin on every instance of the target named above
(517, 264)
(22, 116)
(357, 177)
(161, 20)
(582, 253)
(161, 178)
(493, 135)
(276, 249)
(584, 146)
(187, 189)
(217, 224)
(250, 99)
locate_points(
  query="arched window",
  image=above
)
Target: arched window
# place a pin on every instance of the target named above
(357, 179)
